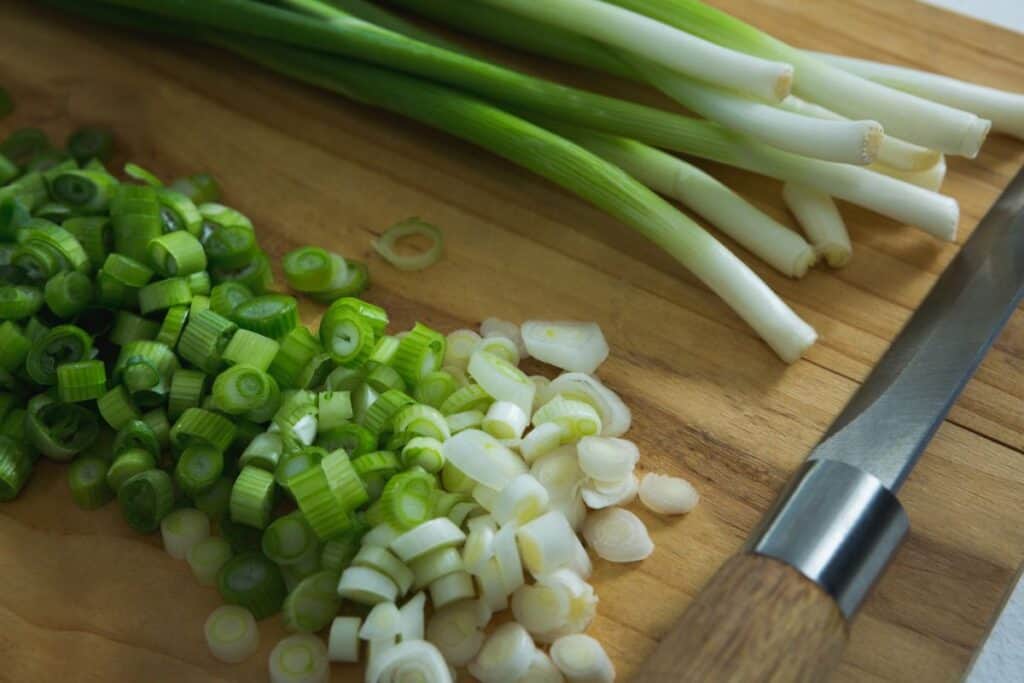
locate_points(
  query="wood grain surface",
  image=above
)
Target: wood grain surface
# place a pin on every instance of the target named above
(84, 598)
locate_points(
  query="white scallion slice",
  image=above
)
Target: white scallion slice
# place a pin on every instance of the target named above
(574, 509)
(542, 670)
(573, 346)
(617, 535)
(819, 216)
(301, 658)
(582, 659)
(455, 631)
(615, 414)
(505, 655)
(231, 633)
(496, 327)
(502, 380)
(559, 472)
(377, 648)
(461, 512)
(411, 660)
(461, 345)
(581, 564)
(412, 618)
(432, 535)
(582, 603)
(305, 429)
(381, 535)
(540, 440)
(668, 495)
(546, 543)
(492, 587)
(366, 586)
(506, 552)
(468, 419)
(482, 458)
(502, 347)
(523, 499)
(479, 546)
(207, 557)
(386, 244)
(541, 608)
(343, 641)
(576, 418)
(451, 588)
(381, 559)
(381, 623)
(599, 495)
(182, 529)
(607, 459)
(505, 420)
(434, 565)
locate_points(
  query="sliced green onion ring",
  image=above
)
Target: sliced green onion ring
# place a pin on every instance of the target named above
(386, 244)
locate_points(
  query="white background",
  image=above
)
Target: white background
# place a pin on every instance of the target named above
(1006, 13)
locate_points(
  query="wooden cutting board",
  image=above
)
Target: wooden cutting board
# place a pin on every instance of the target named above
(86, 599)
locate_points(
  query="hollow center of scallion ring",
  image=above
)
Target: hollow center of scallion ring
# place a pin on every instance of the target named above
(169, 220)
(75, 190)
(297, 660)
(344, 339)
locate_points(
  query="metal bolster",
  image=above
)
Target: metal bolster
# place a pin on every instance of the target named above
(838, 526)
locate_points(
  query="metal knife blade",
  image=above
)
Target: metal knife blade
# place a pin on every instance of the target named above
(839, 521)
(889, 421)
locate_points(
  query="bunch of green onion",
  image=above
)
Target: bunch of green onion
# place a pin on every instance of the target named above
(869, 134)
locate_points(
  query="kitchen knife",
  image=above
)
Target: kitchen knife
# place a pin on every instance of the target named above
(779, 610)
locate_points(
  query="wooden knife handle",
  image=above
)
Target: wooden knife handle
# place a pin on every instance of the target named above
(758, 619)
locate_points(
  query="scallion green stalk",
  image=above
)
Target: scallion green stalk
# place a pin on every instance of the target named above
(932, 125)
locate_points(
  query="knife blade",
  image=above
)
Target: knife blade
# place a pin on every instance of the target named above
(779, 610)
(887, 424)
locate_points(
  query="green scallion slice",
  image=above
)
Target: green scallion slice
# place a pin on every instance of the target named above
(252, 497)
(288, 539)
(136, 435)
(201, 188)
(18, 302)
(15, 465)
(241, 389)
(187, 390)
(204, 339)
(163, 294)
(127, 464)
(252, 349)
(14, 346)
(61, 430)
(91, 142)
(272, 315)
(129, 327)
(135, 215)
(87, 479)
(225, 297)
(116, 407)
(407, 499)
(82, 190)
(178, 212)
(198, 469)
(420, 352)
(145, 499)
(197, 426)
(312, 604)
(254, 582)
(309, 269)
(81, 381)
(176, 253)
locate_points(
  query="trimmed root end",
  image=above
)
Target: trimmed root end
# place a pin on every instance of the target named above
(873, 136)
(836, 255)
(803, 262)
(974, 137)
(784, 84)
